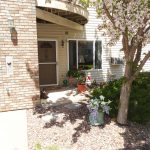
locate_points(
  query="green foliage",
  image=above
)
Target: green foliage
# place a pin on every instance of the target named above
(96, 92)
(100, 103)
(80, 76)
(81, 80)
(53, 147)
(72, 73)
(139, 106)
(38, 146)
(110, 90)
(76, 76)
(84, 3)
(75, 73)
(139, 103)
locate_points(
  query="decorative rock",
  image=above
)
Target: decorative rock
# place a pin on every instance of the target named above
(49, 117)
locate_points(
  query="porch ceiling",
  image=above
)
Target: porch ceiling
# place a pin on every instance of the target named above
(64, 9)
(50, 17)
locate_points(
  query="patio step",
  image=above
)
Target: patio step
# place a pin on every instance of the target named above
(56, 98)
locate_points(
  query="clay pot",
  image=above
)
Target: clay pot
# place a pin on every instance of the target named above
(81, 88)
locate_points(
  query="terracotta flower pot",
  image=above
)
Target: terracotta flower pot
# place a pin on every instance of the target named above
(81, 88)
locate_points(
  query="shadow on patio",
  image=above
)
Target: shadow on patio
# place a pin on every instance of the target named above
(59, 115)
(136, 136)
(64, 106)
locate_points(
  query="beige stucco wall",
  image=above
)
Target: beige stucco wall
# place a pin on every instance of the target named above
(90, 32)
(21, 89)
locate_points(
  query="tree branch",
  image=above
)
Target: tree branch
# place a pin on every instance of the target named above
(147, 29)
(108, 14)
(140, 31)
(125, 43)
(135, 44)
(147, 56)
(138, 54)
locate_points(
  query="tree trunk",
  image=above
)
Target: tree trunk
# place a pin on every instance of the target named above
(124, 100)
(125, 95)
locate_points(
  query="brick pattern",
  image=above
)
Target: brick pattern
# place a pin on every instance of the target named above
(20, 90)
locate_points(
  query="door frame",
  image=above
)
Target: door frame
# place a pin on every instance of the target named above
(57, 79)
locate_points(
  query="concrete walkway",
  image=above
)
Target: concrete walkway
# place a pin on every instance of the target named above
(13, 130)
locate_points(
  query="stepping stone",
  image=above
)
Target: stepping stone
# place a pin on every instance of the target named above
(73, 106)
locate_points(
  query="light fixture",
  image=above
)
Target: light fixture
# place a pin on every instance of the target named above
(11, 23)
(13, 31)
(62, 43)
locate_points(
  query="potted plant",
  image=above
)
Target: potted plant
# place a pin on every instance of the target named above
(81, 78)
(97, 108)
(72, 75)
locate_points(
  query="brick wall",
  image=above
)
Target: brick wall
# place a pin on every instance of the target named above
(20, 89)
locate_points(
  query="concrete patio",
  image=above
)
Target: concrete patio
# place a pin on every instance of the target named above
(64, 96)
(13, 130)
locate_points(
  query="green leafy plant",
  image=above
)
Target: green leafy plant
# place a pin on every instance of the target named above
(97, 108)
(139, 104)
(100, 103)
(38, 146)
(76, 75)
(81, 77)
(72, 73)
(110, 90)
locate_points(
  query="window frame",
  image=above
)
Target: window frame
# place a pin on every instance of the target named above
(77, 40)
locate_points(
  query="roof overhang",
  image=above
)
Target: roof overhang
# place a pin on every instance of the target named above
(63, 13)
(50, 17)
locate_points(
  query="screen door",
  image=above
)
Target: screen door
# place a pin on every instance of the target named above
(47, 63)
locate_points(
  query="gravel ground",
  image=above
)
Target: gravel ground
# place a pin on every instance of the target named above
(71, 131)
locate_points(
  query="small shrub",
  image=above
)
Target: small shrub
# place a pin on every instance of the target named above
(110, 90)
(139, 103)
(96, 92)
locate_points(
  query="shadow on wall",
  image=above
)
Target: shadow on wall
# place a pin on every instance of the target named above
(34, 75)
(14, 36)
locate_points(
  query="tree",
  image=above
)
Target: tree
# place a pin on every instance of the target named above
(128, 20)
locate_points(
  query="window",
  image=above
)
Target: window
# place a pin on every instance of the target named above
(85, 55)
